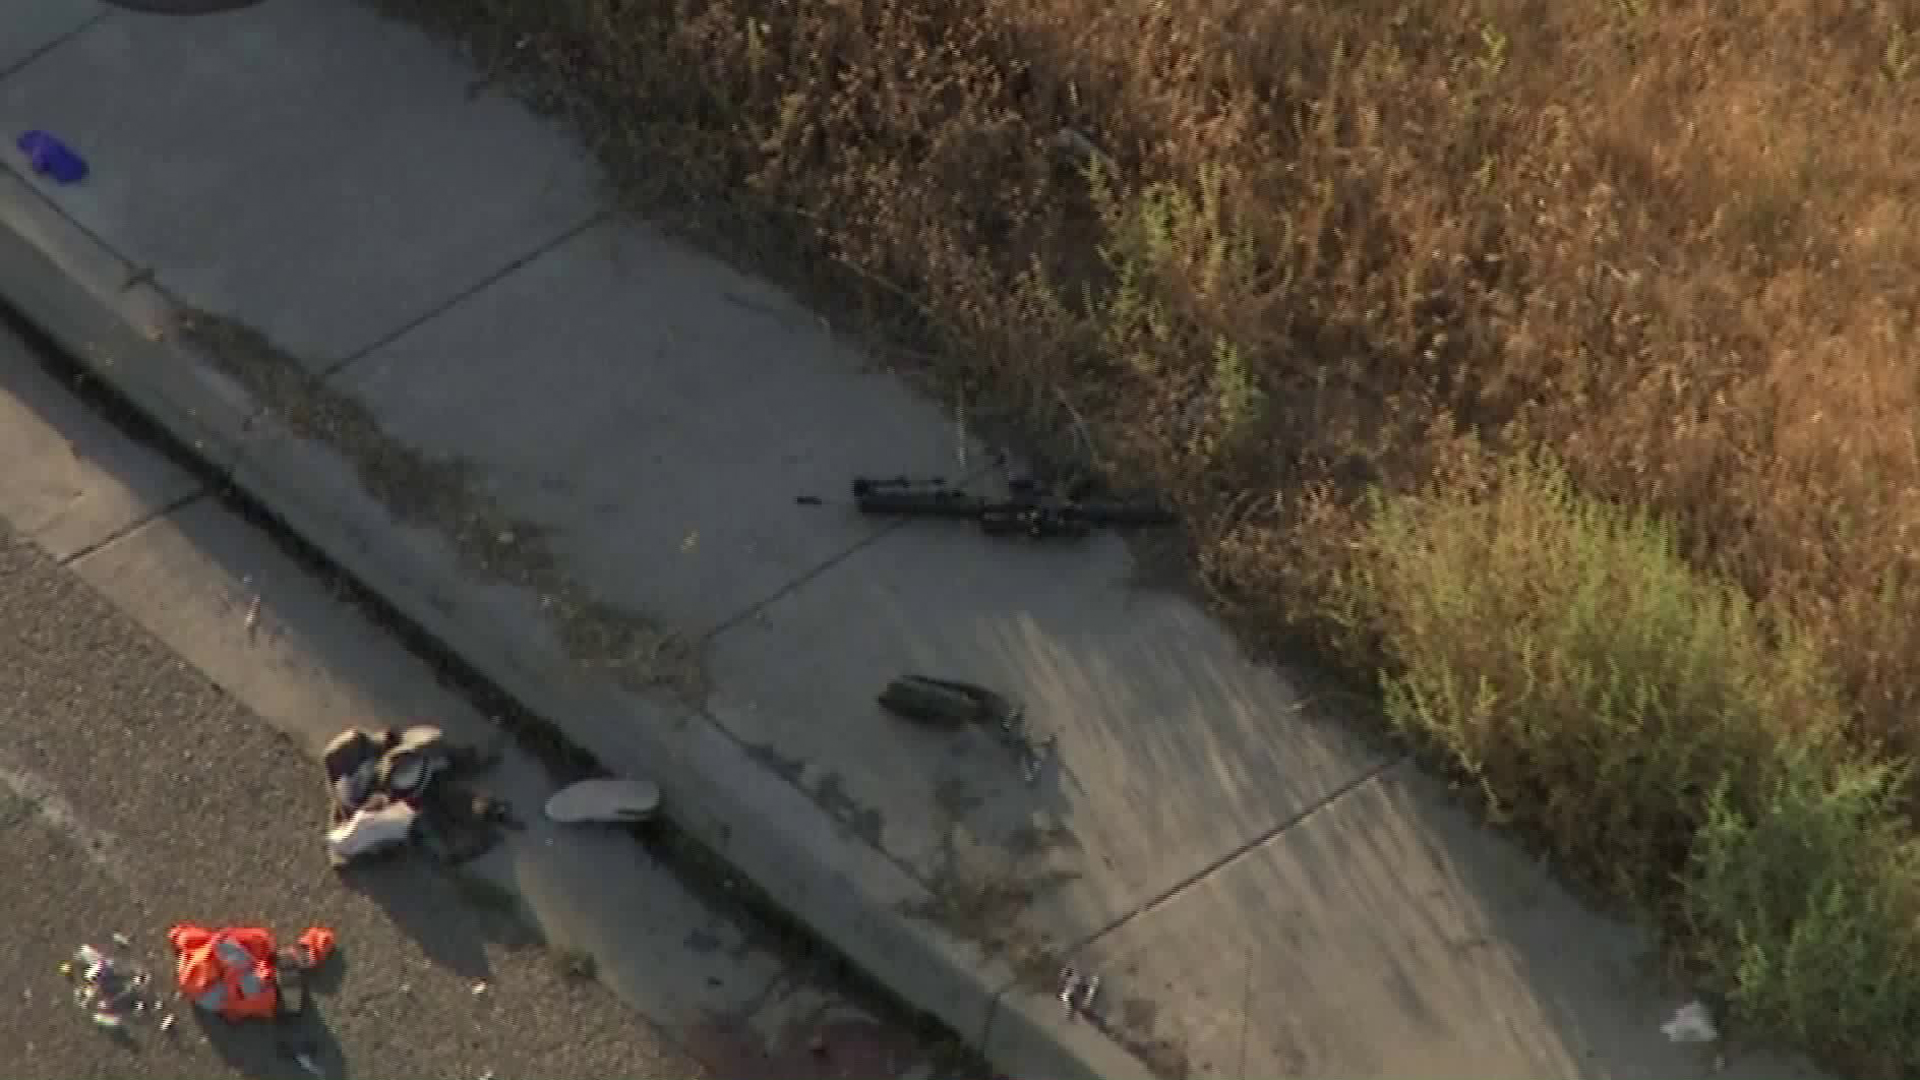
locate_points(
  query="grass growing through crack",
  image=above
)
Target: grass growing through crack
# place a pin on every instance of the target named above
(986, 909)
(984, 905)
(449, 498)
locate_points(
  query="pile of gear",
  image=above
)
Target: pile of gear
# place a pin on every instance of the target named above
(388, 788)
(238, 973)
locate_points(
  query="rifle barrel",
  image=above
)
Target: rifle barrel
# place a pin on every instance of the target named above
(908, 502)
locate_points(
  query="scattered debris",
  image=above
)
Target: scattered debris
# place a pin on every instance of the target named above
(1034, 754)
(52, 158)
(608, 801)
(252, 620)
(952, 703)
(478, 988)
(1691, 1023)
(1078, 992)
(1030, 509)
(390, 787)
(110, 988)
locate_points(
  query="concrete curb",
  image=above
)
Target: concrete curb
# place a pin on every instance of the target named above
(90, 301)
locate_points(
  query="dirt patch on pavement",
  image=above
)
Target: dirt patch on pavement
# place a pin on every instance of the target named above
(448, 497)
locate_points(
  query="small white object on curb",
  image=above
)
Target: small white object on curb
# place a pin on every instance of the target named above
(606, 800)
(1691, 1023)
(1078, 992)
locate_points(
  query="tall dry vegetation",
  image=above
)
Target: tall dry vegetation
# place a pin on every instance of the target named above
(1672, 242)
(1269, 256)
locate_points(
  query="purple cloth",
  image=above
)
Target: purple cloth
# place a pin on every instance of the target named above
(50, 157)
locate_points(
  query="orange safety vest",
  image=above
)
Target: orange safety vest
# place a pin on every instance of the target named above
(227, 971)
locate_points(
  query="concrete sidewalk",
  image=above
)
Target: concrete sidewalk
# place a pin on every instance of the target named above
(128, 656)
(402, 313)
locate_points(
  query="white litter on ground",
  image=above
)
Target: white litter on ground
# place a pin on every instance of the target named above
(1691, 1023)
(608, 801)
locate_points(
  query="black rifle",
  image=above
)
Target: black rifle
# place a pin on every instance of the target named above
(1029, 511)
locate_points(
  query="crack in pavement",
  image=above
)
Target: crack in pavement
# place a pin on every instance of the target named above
(27, 61)
(1371, 776)
(460, 296)
(802, 579)
(114, 536)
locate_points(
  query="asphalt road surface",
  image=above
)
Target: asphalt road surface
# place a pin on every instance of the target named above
(134, 794)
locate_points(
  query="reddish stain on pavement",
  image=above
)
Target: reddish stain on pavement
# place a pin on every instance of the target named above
(840, 1049)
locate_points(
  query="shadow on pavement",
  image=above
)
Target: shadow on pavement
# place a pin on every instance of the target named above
(330, 976)
(453, 930)
(273, 1051)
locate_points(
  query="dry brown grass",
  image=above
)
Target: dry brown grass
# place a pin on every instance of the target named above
(1671, 242)
(1334, 244)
